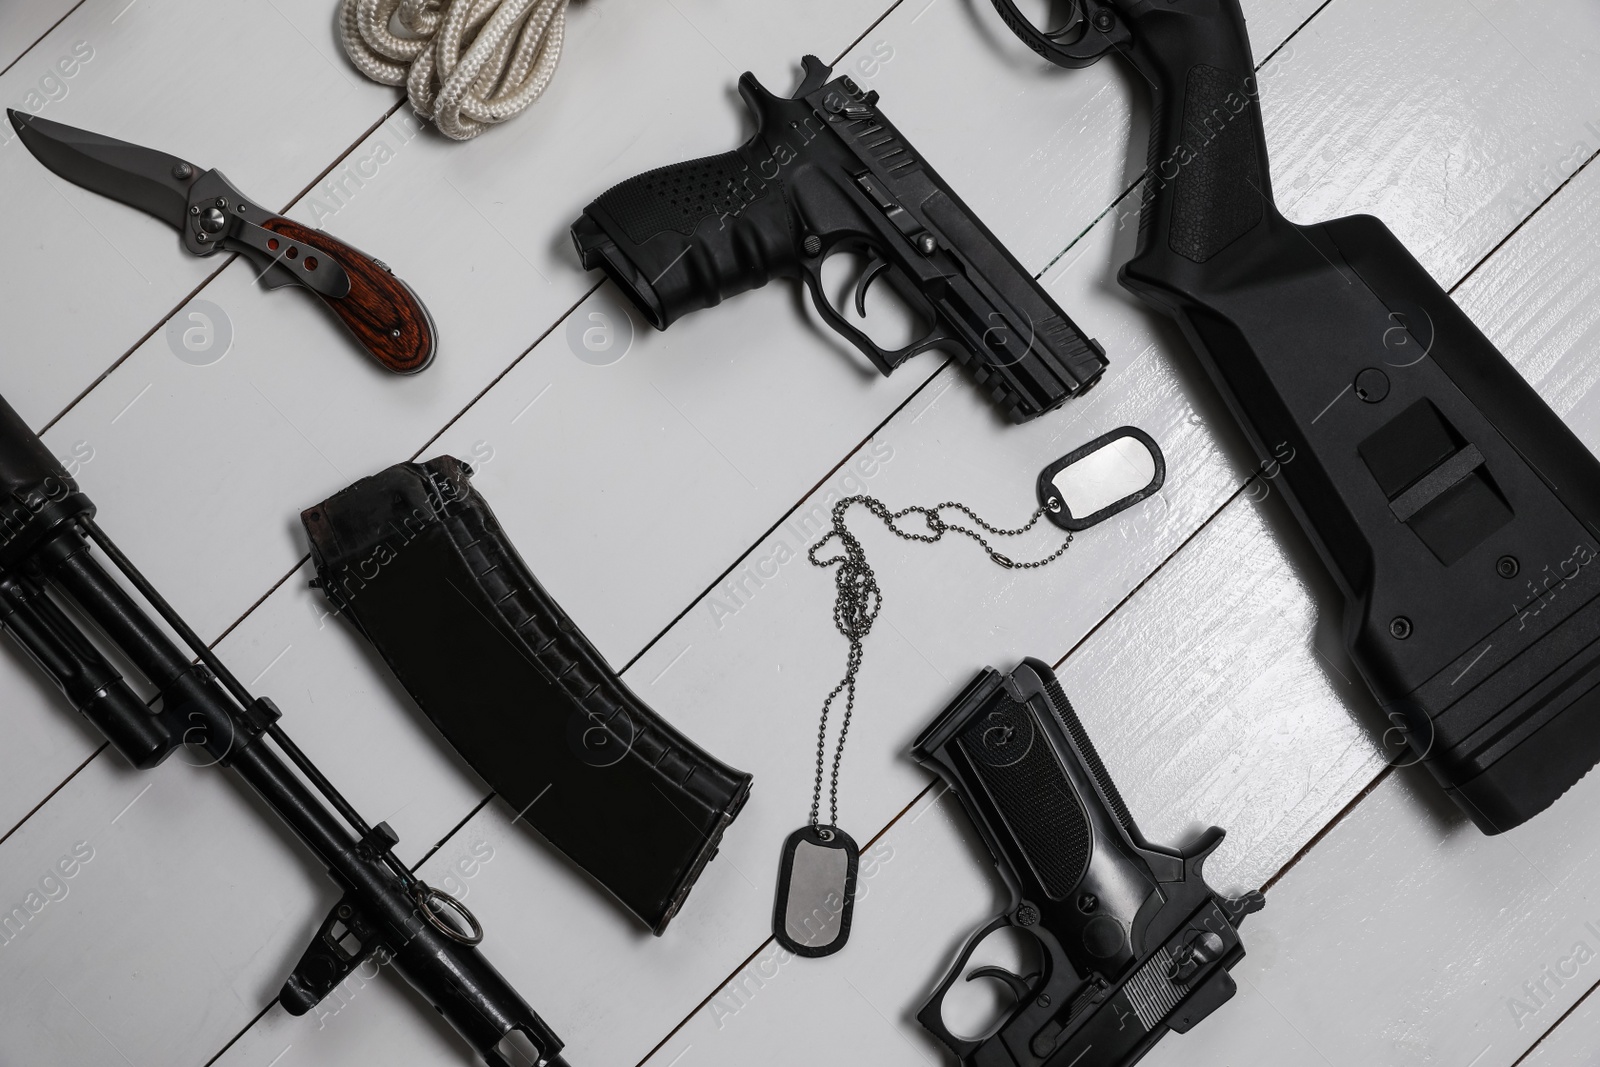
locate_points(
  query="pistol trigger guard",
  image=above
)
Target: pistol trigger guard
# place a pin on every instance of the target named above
(1068, 47)
(880, 359)
(886, 361)
(931, 1015)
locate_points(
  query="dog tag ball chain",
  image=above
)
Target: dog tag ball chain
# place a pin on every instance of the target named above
(817, 874)
(817, 877)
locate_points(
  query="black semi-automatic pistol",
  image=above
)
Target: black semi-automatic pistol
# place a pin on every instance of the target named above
(1132, 941)
(824, 174)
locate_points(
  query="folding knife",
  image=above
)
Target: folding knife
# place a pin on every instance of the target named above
(379, 309)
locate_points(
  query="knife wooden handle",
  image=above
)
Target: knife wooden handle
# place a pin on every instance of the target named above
(380, 309)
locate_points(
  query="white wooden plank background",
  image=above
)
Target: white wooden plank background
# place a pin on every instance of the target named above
(21, 26)
(1199, 636)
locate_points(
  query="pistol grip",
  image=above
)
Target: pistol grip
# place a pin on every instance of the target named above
(688, 236)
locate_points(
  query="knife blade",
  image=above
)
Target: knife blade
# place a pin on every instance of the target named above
(382, 312)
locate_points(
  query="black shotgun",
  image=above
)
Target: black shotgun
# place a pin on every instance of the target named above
(1455, 510)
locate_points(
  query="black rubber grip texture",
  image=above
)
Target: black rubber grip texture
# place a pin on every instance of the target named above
(1219, 193)
(679, 197)
(1069, 718)
(1020, 771)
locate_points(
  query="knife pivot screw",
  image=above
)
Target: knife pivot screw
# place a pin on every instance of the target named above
(1104, 20)
(1400, 628)
(213, 220)
(183, 172)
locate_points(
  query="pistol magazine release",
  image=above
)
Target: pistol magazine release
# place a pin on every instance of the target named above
(826, 173)
(1132, 942)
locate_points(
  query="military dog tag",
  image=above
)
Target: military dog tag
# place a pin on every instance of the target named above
(1108, 475)
(816, 891)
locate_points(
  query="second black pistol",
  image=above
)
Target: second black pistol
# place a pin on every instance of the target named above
(1132, 941)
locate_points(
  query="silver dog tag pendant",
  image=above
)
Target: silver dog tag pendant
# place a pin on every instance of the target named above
(816, 891)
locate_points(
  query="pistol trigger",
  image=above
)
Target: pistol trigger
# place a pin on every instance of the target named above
(1021, 988)
(875, 268)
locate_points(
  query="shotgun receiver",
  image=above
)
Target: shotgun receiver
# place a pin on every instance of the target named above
(1133, 941)
(47, 528)
(1457, 513)
(825, 173)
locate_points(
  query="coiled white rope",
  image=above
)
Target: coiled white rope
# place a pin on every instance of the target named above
(466, 64)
